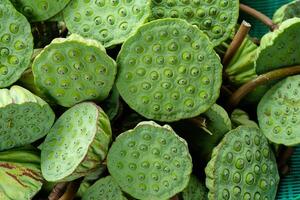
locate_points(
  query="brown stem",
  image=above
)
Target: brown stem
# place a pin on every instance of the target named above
(236, 42)
(71, 190)
(283, 159)
(245, 89)
(57, 191)
(175, 198)
(259, 16)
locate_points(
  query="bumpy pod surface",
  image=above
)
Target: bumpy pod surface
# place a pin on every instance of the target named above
(16, 44)
(242, 166)
(216, 18)
(150, 162)
(109, 21)
(77, 143)
(278, 112)
(195, 190)
(20, 174)
(24, 117)
(72, 70)
(287, 11)
(169, 71)
(105, 188)
(279, 48)
(39, 10)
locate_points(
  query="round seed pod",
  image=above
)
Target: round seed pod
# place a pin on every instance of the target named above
(278, 112)
(109, 21)
(195, 190)
(16, 44)
(72, 70)
(279, 48)
(39, 10)
(150, 162)
(169, 71)
(242, 166)
(76, 144)
(216, 18)
(105, 188)
(20, 174)
(24, 117)
(287, 11)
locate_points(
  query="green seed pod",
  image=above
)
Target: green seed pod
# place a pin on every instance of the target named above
(72, 70)
(105, 188)
(279, 48)
(77, 143)
(169, 71)
(20, 174)
(242, 166)
(111, 105)
(216, 18)
(240, 117)
(278, 112)
(195, 190)
(24, 117)
(287, 11)
(109, 21)
(150, 162)
(39, 10)
(16, 44)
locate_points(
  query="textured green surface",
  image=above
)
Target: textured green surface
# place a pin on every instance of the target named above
(77, 143)
(216, 18)
(240, 117)
(243, 166)
(24, 117)
(287, 11)
(109, 21)
(39, 10)
(279, 112)
(279, 48)
(20, 174)
(150, 162)
(195, 190)
(72, 70)
(105, 188)
(169, 71)
(16, 44)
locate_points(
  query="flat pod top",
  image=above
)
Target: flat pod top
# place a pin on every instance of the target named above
(16, 44)
(77, 143)
(169, 71)
(150, 162)
(216, 18)
(104, 189)
(72, 70)
(242, 166)
(279, 48)
(278, 112)
(39, 10)
(287, 11)
(109, 21)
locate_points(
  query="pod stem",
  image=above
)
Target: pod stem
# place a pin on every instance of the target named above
(236, 43)
(58, 191)
(259, 16)
(71, 191)
(245, 89)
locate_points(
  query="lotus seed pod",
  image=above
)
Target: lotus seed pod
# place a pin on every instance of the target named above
(24, 117)
(242, 166)
(20, 174)
(278, 112)
(279, 48)
(77, 143)
(287, 11)
(216, 18)
(16, 44)
(111, 105)
(39, 10)
(195, 190)
(72, 70)
(109, 21)
(169, 71)
(150, 162)
(240, 117)
(105, 188)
